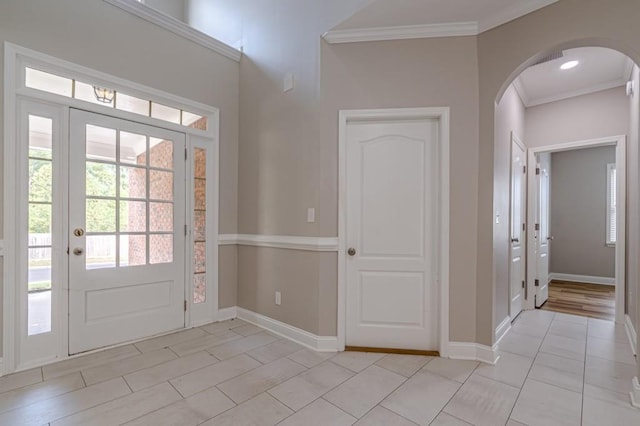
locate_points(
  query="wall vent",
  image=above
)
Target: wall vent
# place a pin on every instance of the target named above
(549, 58)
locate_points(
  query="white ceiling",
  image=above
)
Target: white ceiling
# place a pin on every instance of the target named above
(598, 69)
(400, 13)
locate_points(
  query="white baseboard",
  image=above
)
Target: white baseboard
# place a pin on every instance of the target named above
(635, 392)
(631, 333)
(227, 313)
(474, 352)
(304, 338)
(582, 279)
(502, 329)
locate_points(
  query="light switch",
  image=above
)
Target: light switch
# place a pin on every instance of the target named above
(288, 82)
(497, 217)
(278, 298)
(311, 215)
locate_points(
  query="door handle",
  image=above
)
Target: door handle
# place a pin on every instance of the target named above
(515, 240)
(351, 252)
(550, 238)
(78, 232)
(78, 251)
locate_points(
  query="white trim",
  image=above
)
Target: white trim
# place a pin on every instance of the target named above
(176, 26)
(610, 239)
(474, 352)
(531, 102)
(509, 13)
(502, 329)
(302, 337)
(631, 333)
(403, 32)
(442, 114)
(582, 279)
(635, 392)
(619, 141)
(281, 242)
(522, 92)
(225, 314)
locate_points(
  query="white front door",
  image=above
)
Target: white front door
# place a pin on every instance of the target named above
(543, 237)
(518, 233)
(126, 231)
(392, 233)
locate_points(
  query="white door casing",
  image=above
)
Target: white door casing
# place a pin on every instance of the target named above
(111, 304)
(392, 186)
(542, 235)
(517, 272)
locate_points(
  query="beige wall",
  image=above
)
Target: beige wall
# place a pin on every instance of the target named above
(578, 212)
(98, 35)
(510, 117)
(567, 23)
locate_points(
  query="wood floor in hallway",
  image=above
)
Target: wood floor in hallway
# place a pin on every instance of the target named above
(588, 300)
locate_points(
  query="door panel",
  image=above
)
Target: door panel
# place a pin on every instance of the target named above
(126, 219)
(543, 238)
(392, 192)
(518, 236)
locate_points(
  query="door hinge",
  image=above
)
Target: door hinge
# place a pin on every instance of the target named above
(185, 230)
(526, 290)
(185, 306)
(524, 226)
(537, 226)
(185, 154)
(522, 283)
(537, 170)
(524, 169)
(537, 283)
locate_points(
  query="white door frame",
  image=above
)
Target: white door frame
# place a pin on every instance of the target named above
(442, 115)
(621, 166)
(517, 141)
(15, 59)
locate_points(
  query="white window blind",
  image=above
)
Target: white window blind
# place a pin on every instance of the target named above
(611, 204)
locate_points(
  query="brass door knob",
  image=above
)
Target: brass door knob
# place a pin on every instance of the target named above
(78, 251)
(78, 232)
(351, 252)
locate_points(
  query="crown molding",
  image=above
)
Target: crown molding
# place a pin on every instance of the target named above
(572, 94)
(522, 92)
(404, 32)
(176, 26)
(510, 13)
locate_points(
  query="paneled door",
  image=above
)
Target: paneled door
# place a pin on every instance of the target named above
(517, 271)
(392, 233)
(127, 231)
(543, 236)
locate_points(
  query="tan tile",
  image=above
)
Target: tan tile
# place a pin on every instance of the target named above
(210, 376)
(558, 371)
(611, 350)
(40, 391)
(248, 330)
(454, 369)
(18, 380)
(205, 342)
(113, 369)
(263, 410)
(169, 340)
(610, 375)
(577, 331)
(365, 390)
(304, 388)
(310, 358)
(564, 347)
(124, 409)
(356, 361)
(511, 369)
(483, 401)
(570, 318)
(380, 416)
(64, 405)
(188, 412)
(220, 327)
(256, 381)
(607, 330)
(404, 365)
(236, 347)
(422, 397)
(543, 404)
(520, 344)
(274, 351)
(319, 413)
(445, 419)
(72, 365)
(169, 370)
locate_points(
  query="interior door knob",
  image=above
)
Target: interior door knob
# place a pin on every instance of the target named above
(78, 251)
(78, 232)
(515, 240)
(550, 238)
(351, 252)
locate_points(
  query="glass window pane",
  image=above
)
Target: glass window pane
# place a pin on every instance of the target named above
(199, 257)
(161, 217)
(132, 104)
(101, 179)
(84, 92)
(48, 82)
(133, 148)
(133, 182)
(193, 120)
(101, 215)
(39, 269)
(163, 112)
(200, 163)
(101, 143)
(100, 251)
(199, 288)
(133, 216)
(39, 223)
(160, 248)
(161, 152)
(200, 200)
(40, 180)
(200, 229)
(161, 185)
(133, 250)
(39, 291)
(40, 137)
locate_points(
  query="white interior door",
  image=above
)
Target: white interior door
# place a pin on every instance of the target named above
(518, 228)
(126, 225)
(392, 233)
(543, 237)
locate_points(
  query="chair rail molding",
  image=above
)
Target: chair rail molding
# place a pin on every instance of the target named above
(326, 244)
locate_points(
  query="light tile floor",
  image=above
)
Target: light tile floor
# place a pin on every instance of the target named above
(554, 369)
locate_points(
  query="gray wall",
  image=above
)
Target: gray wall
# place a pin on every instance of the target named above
(174, 8)
(578, 212)
(633, 206)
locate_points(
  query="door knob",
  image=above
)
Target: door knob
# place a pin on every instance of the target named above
(78, 251)
(550, 238)
(78, 232)
(515, 240)
(351, 252)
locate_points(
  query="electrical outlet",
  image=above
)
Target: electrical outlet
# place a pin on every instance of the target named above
(278, 298)
(288, 82)
(311, 215)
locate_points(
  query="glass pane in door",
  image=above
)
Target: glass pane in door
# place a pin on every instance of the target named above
(200, 225)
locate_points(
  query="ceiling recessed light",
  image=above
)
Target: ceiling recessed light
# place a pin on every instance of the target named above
(569, 65)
